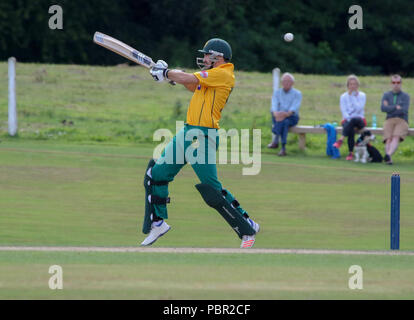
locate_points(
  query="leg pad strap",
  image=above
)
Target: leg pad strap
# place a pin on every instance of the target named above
(158, 200)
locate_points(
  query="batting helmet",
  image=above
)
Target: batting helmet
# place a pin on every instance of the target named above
(218, 47)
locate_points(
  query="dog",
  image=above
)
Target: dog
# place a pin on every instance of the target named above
(362, 146)
(374, 154)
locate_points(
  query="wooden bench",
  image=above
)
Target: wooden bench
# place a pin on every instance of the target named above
(303, 130)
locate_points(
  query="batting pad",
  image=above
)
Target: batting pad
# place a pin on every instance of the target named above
(146, 226)
(215, 199)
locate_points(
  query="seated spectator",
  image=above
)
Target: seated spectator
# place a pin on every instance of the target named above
(395, 103)
(352, 104)
(284, 111)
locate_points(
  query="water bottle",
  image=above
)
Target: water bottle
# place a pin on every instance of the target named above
(374, 121)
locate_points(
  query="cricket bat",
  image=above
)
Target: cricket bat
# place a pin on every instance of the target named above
(123, 49)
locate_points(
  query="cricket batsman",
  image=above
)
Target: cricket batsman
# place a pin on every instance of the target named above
(211, 88)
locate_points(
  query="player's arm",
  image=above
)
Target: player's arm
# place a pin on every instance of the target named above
(188, 80)
(386, 106)
(160, 72)
(190, 87)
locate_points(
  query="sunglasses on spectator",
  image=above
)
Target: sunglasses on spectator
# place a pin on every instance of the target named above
(395, 82)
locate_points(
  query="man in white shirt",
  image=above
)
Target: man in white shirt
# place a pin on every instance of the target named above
(352, 104)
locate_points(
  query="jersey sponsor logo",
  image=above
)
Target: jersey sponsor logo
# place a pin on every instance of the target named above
(204, 74)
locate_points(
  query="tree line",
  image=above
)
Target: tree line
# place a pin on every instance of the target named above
(173, 30)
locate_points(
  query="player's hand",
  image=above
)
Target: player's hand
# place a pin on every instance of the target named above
(159, 71)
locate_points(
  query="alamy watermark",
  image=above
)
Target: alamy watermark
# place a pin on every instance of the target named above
(56, 280)
(196, 146)
(356, 280)
(56, 20)
(356, 21)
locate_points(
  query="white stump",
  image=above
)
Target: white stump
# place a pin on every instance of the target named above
(276, 77)
(12, 97)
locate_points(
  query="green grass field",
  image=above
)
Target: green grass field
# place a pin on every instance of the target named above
(208, 276)
(92, 195)
(81, 185)
(122, 105)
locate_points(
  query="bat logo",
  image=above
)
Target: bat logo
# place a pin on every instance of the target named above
(99, 38)
(122, 49)
(141, 58)
(135, 55)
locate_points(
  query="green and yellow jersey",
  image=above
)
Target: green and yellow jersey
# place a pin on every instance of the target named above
(210, 96)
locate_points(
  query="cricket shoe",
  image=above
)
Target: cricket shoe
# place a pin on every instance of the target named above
(247, 242)
(254, 225)
(158, 229)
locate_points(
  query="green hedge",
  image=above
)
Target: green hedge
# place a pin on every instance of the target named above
(173, 30)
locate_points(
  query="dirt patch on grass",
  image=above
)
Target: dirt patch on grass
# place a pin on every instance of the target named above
(206, 250)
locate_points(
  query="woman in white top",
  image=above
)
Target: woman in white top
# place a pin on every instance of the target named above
(352, 104)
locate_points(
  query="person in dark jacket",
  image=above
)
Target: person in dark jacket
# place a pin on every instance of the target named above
(395, 103)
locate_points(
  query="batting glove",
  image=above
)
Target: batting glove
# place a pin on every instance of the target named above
(159, 71)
